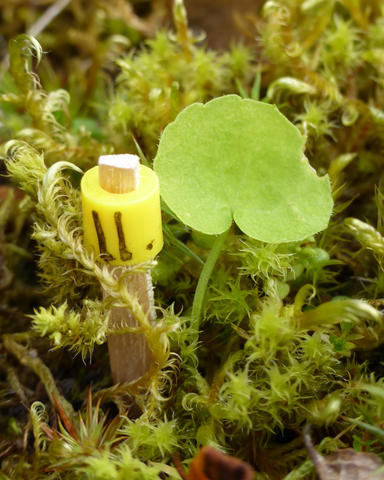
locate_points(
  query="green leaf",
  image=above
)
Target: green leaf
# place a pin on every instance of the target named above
(242, 160)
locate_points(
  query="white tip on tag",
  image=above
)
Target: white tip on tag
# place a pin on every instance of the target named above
(123, 160)
(119, 173)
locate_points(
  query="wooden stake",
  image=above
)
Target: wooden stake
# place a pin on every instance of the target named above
(119, 173)
(130, 356)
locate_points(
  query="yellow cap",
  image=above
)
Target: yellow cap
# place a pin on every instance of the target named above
(122, 228)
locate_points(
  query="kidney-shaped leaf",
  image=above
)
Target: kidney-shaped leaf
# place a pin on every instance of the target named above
(242, 160)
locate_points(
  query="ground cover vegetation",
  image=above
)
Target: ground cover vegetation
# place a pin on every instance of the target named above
(289, 334)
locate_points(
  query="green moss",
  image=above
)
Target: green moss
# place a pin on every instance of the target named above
(290, 333)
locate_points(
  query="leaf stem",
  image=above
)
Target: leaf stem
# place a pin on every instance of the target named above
(205, 275)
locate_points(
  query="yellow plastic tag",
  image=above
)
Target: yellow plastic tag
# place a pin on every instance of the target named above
(122, 228)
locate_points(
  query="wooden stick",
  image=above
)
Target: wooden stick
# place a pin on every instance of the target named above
(130, 356)
(119, 173)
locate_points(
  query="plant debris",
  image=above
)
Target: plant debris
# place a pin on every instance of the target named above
(345, 464)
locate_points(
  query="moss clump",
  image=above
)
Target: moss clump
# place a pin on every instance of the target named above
(290, 333)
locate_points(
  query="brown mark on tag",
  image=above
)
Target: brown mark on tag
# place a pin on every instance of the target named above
(125, 255)
(104, 254)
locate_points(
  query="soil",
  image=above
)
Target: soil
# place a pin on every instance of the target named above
(222, 20)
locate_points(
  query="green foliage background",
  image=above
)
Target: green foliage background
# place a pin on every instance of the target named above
(291, 333)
